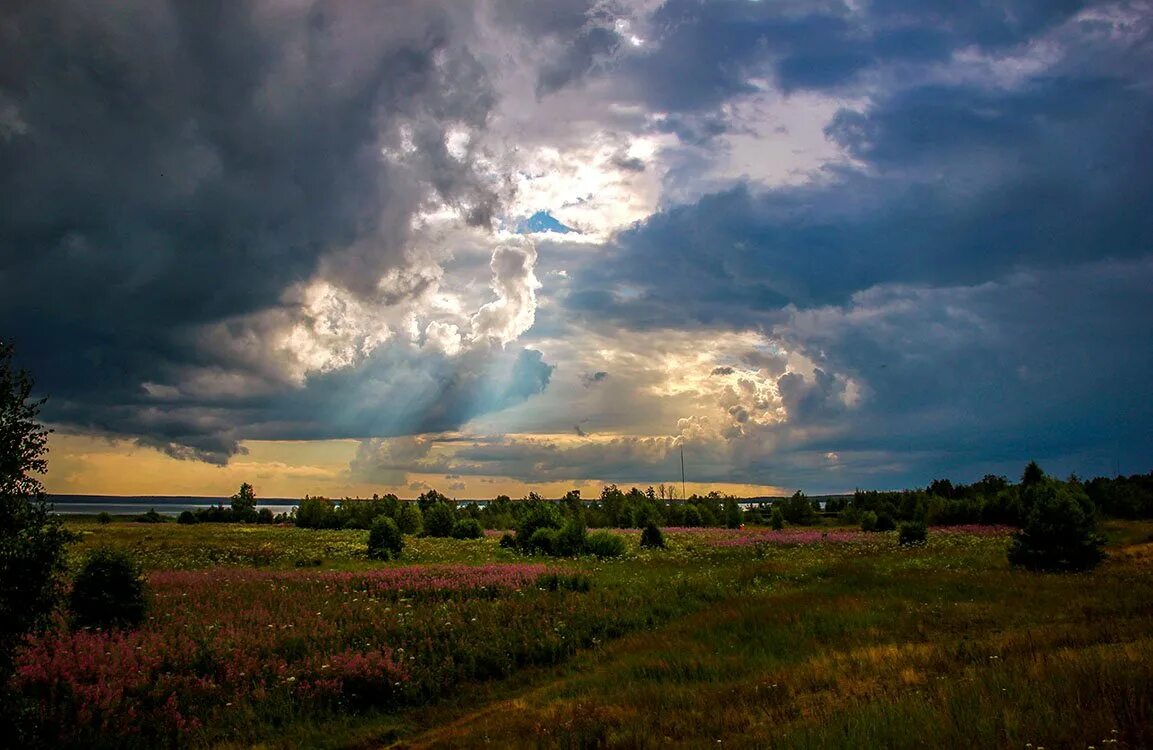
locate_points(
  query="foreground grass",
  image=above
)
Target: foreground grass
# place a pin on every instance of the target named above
(901, 649)
(851, 643)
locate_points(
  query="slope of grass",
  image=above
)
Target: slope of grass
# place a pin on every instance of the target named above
(796, 640)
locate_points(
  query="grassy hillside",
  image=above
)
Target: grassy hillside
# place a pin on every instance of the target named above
(829, 638)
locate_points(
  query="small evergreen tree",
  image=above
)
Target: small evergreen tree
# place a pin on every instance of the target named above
(108, 592)
(1060, 532)
(652, 538)
(777, 519)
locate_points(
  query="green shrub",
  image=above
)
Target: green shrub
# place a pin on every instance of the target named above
(103, 518)
(777, 519)
(439, 520)
(186, 517)
(540, 516)
(108, 592)
(605, 544)
(885, 521)
(692, 516)
(507, 541)
(571, 539)
(264, 515)
(467, 528)
(913, 533)
(1060, 532)
(652, 538)
(542, 541)
(384, 539)
(868, 521)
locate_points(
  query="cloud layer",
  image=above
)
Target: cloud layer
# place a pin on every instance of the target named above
(814, 244)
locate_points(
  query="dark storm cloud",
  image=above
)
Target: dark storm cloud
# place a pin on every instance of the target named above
(169, 165)
(962, 185)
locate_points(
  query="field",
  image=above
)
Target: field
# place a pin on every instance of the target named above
(284, 637)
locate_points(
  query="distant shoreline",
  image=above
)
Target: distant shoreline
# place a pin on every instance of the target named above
(171, 505)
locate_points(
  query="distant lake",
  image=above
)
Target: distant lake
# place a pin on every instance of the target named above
(169, 505)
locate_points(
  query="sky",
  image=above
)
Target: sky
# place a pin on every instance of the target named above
(502, 246)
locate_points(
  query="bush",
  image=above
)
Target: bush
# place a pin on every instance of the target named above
(542, 541)
(384, 539)
(605, 544)
(1060, 533)
(885, 521)
(913, 534)
(186, 517)
(108, 592)
(652, 538)
(439, 520)
(507, 541)
(868, 521)
(264, 515)
(467, 528)
(571, 539)
(540, 516)
(777, 519)
(409, 519)
(103, 518)
(692, 516)
(150, 517)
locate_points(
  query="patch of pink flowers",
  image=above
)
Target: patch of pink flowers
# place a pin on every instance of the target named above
(231, 637)
(791, 537)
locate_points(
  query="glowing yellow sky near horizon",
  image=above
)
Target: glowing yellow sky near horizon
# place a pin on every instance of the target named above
(88, 465)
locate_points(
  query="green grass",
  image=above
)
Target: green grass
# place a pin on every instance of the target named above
(852, 645)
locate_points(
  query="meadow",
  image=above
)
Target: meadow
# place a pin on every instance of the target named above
(276, 636)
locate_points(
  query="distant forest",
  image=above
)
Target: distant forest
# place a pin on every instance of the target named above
(991, 500)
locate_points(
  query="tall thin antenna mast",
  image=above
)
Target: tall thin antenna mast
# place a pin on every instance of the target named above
(684, 495)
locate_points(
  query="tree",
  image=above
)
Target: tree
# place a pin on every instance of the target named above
(409, 519)
(734, 516)
(1060, 533)
(797, 509)
(439, 520)
(1032, 475)
(384, 539)
(32, 540)
(244, 503)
